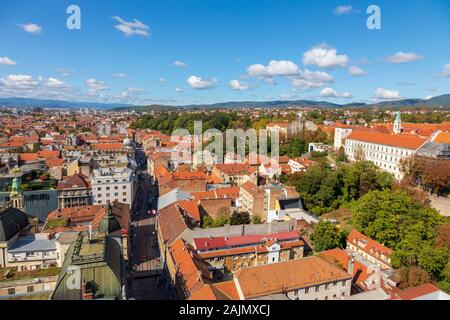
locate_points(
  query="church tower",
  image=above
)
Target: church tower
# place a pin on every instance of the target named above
(398, 124)
(16, 196)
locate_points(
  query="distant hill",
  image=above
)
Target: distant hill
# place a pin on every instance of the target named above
(32, 103)
(443, 100)
(438, 101)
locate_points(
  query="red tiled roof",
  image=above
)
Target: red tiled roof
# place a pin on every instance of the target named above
(394, 140)
(371, 247)
(171, 223)
(13, 144)
(191, 269)
(75, 181)
(227, 242)
(285, 276)
(46, 154)
(28, 156)
(235, 168)
(413, 293)
(108, 146)
(191, 208)
(54, 162)
(443, 137)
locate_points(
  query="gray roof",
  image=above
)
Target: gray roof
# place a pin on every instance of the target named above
(293, 203)
(67, 237)
(173, 196)
(12, 221)
(32, 243)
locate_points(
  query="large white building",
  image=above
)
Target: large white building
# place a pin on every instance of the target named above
(110, 184)
(383, 149)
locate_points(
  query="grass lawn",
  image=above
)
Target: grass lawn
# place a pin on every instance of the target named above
(29, 274)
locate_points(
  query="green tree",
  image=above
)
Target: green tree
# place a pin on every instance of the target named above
(326, 236)
(238, 218)
(256, 219)
(433, 260)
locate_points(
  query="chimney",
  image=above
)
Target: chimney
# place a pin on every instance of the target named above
(351, 265)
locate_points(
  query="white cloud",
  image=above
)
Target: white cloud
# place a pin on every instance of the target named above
(404, 57)
(324, 56)
(7, 61)
(385, 94)
(356, 71)
(19, 82)
(135, 27)
(331, 93)
(428, 97)
(31, 28)
(21, 85)
(274, 68)
(120, 75)
(55, 83)
(446, 71)
(162, 81)
(237, 85)
(64, 72)
(307, 80)
(95, 85)
(343, 10)
(200, 83)
(178, 90)
(180, 64)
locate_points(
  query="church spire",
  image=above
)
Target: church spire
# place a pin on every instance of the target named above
(398, 123)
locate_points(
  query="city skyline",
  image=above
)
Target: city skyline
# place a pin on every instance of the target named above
(195, 53)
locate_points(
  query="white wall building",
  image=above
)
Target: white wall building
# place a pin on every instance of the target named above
(110, 184)
(340, 134)
(384, 150)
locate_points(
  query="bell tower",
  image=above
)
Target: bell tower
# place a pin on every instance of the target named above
(16, 196)
(397, 124)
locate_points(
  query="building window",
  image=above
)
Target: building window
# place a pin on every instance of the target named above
(306, 290)
(11, 291)
(317, 288)
(30, 289)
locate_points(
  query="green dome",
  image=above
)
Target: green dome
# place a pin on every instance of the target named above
(109, 222)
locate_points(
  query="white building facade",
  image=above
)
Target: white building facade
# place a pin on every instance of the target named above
(110, 184)
(385, 150)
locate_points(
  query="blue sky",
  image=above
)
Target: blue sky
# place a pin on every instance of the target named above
(230, 50)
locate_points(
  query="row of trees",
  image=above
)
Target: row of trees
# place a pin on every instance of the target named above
(236, 218)
(431, 174)
(323, 189)
(418, 234)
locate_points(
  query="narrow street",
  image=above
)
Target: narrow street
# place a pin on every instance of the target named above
(145, 273)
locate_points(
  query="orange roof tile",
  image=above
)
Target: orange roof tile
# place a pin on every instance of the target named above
(443, 137)
(284, 276)
(371, 247)
(395, 140)
(28, 156)
(108, 146)
(413, 293)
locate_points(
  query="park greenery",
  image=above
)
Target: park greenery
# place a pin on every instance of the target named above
(236, 218)
(323, 189)
(383, 210)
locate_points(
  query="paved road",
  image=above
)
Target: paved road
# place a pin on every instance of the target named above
(145, 252)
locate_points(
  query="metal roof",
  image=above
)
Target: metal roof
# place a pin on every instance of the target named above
(32, 243)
